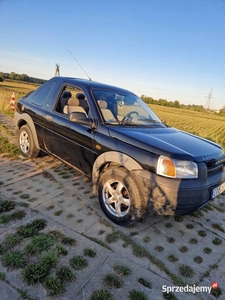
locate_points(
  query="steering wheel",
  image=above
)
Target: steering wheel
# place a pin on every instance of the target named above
(128, 115)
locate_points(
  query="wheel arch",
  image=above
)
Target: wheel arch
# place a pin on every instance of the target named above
(113, 158)
(25, 119)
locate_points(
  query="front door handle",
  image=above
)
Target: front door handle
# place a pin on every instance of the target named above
(49, 118)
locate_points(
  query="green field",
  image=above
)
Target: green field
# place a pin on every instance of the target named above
(207, 125)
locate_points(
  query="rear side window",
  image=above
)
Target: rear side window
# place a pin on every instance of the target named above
(40, 97)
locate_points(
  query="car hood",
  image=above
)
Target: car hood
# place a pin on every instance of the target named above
(169, 142)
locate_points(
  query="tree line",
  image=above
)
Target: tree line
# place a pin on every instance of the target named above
(20, 77)
(176, 103)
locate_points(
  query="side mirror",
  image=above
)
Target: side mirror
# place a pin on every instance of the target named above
(80, 118)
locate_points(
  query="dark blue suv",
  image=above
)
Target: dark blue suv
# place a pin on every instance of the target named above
(136, 162)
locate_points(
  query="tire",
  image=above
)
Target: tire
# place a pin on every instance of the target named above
(120, 196)
(26, 142)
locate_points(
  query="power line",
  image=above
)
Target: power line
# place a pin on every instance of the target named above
(208, 102)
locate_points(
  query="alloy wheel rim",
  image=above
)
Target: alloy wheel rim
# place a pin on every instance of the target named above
(24, 142)
(116, 198)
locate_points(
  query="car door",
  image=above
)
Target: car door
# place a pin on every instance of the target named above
(71, 142)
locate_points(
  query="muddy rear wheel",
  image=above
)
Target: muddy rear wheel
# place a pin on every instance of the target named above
(26, 142)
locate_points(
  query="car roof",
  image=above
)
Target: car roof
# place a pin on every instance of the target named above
(88, 83)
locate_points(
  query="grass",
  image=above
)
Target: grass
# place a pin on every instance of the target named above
(2, 249)
(2, 276)
(23, 204)
(25, 196)
(6, 205)
(169, 296)
(39, 243)
(207, 250)
(202, 233)
(170, 240)
(13, 260)
(98, 241)
(217, 241)
(68, 241)
(145, 283)
(56, 234)
(112, 237)
(183, 249)
(112, 281)
(16, 215)
(198, 259)
(218, 227)
(186, 271)
(6, 147)
(55, 286)
(137, 295)
(65, 274)
(122, 270)
(172, 258)
(168, 225)
(12, 240)
(34, 273)
(89, 252)
(78, 262)
(159, 248)
(60, 250)
(147, 239)
(101, 295)
(193, 241)
(31, 228)
(58, 212)
(216, 292)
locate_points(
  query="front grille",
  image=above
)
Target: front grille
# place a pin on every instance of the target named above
(215, 165)
(214, 169)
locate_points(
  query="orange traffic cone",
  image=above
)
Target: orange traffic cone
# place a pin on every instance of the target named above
(12, 102)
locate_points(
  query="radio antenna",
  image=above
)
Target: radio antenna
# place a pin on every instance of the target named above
(80, 65)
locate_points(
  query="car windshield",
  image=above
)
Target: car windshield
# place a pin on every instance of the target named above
(124, 109)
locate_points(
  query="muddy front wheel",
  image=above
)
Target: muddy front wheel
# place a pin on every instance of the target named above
(120, 196)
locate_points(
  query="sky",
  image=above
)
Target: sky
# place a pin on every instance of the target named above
(168, 49)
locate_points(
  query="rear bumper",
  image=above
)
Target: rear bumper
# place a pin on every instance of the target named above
(169, 196)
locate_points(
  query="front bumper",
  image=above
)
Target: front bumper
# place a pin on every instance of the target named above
(169, 196)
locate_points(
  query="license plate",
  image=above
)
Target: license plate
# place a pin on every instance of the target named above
(218, 190)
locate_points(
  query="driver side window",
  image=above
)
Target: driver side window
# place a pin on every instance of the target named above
(72, 99)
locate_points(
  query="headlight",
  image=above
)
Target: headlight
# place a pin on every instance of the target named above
(176, 168)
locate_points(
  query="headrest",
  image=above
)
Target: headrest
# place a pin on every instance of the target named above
(73, 101)
(80, 96)
(66, 94)
(102, 104)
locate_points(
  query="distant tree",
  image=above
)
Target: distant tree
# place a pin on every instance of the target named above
(1, 77)
(12, 75)
(24, 77)
(176, 104)
(163, 102)
(222, 111)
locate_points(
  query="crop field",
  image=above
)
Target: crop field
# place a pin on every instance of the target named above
(207, 125)
(6, 89)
